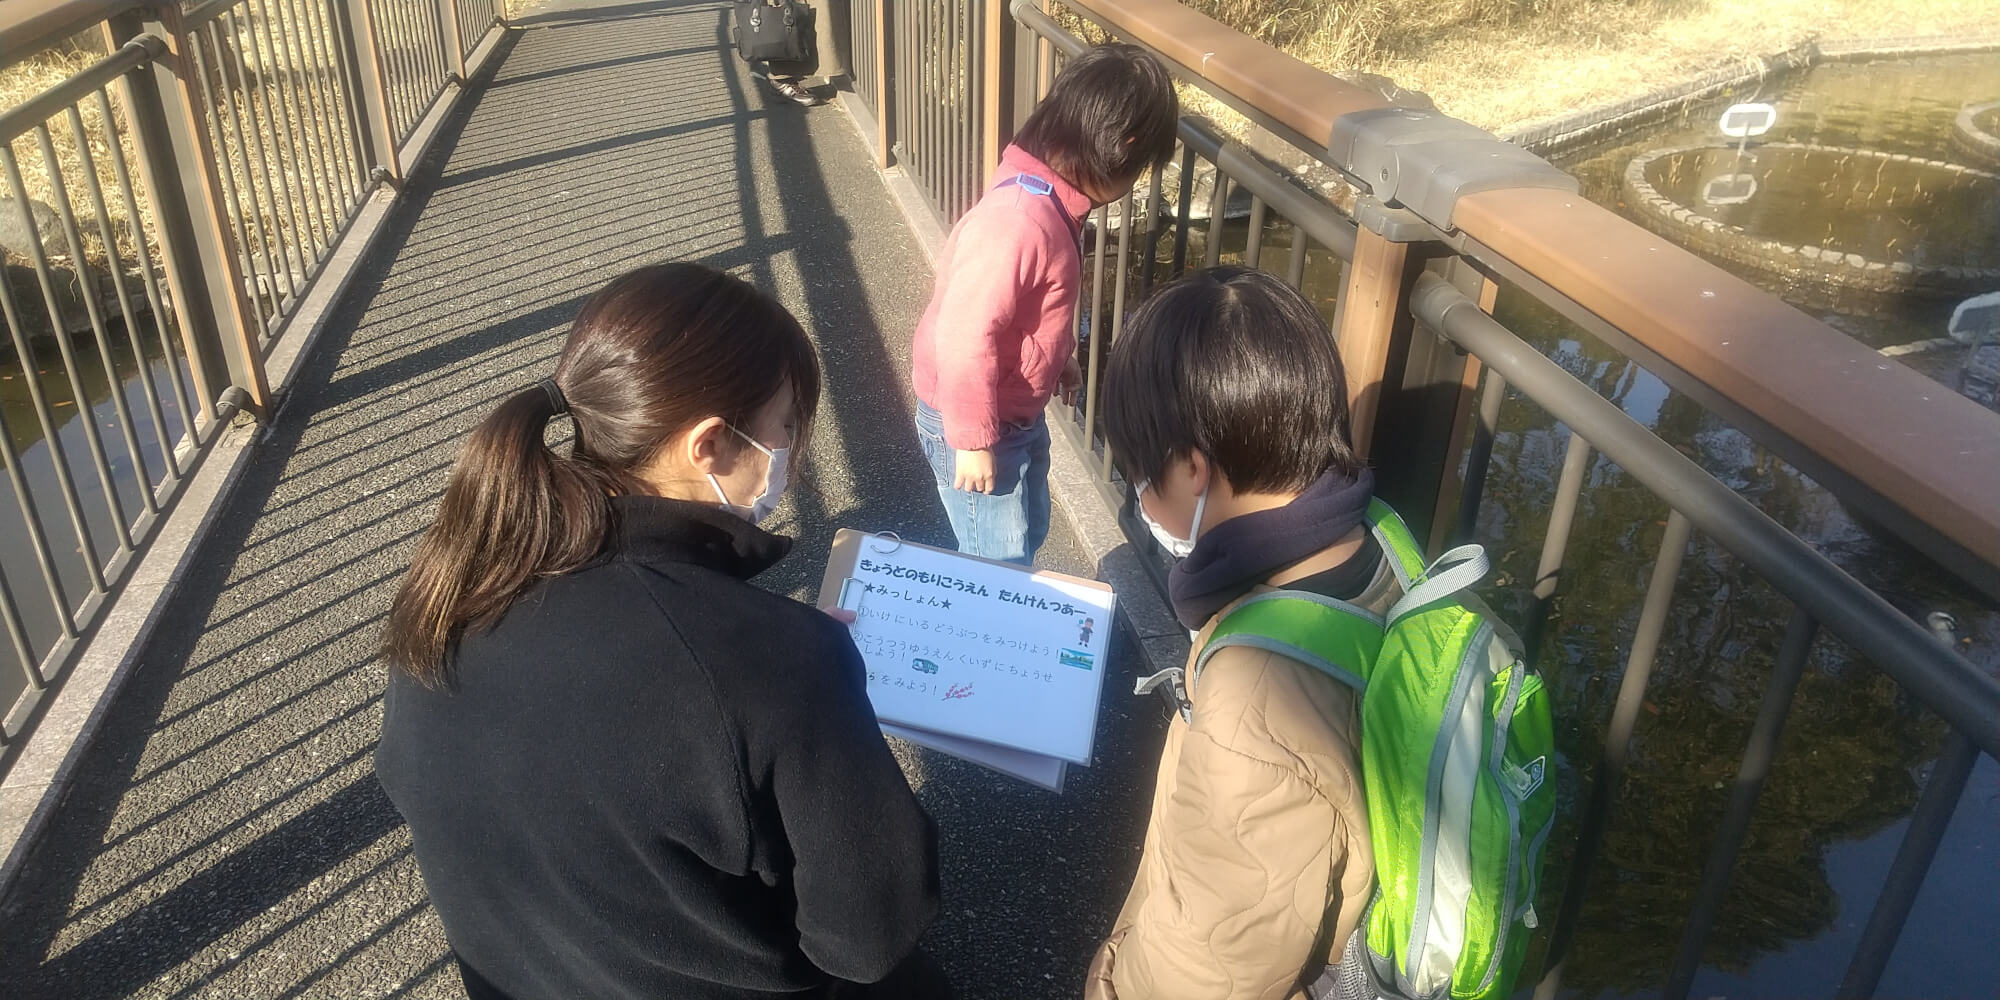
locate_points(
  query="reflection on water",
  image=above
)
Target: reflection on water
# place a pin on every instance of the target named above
(1855, 749)
(1864, 201)
(1900, 106)
(26, 436)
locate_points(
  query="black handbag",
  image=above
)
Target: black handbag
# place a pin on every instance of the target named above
(774, 31)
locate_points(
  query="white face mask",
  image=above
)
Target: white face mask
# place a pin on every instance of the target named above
(1176, 547)
(774, 483)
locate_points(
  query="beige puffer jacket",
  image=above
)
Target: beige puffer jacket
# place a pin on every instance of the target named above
(1258, 838)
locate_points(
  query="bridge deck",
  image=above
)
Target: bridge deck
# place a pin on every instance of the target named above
(226, 836)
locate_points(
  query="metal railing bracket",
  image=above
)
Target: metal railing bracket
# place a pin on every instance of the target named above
(1425, 160)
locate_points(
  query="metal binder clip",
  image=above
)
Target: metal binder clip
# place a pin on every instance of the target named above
(875, 539)
(851, 591)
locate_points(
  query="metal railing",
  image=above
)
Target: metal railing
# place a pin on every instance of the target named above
(868, 63)
(197, 181)
(415, 65)
(931, 74)
(1417, 265)
(279, 113)
(937, 54)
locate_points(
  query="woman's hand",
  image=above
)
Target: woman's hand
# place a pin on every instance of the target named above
(975, 471)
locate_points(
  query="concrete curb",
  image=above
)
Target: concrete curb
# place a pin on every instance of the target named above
(39, 780)
(1142, 609)
(1548, 137)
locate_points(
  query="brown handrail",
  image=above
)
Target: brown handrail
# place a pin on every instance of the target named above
(1932, 456)
(20, 118)
(1918, 444)
(28, 26)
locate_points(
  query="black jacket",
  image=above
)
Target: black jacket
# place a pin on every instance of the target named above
(652, 779)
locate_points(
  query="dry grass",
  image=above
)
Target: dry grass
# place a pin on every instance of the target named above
(30, 77)
(292, 187)
(1502, 64)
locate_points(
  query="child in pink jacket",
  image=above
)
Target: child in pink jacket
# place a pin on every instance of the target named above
(996, 342)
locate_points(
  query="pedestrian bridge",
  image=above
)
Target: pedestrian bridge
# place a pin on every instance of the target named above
(327, 235)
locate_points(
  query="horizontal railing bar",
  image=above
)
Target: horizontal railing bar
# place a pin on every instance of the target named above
(1813, 394)
(1931, 453)
(1324, 223)
(202, 12)
(1278, 91)
(1946, 684)
(28, 26)
(16, 121)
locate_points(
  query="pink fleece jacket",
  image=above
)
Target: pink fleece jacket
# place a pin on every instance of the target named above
(992, 345)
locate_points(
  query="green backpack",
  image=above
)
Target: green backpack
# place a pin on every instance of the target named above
(1456, 747)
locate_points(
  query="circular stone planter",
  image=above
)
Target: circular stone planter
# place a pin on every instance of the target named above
(1845, 219)
(1977, 131)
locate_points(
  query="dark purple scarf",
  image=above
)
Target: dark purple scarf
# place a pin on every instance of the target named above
(1244, 551)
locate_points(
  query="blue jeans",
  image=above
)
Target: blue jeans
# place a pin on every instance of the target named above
(1010, 523)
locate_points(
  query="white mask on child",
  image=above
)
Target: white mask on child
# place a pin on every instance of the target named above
(1176, 547)
(774, 483)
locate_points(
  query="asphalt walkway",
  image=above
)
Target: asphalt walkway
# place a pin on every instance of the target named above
(226, 836)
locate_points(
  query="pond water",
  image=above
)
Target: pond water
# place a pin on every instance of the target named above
(1869, 203)
(1856, 749)
(129, 478)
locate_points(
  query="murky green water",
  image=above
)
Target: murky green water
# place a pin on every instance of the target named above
(1856, 749)
(1881, 208)
(37, 461)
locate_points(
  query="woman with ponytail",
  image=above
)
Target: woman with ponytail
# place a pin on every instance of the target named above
(627, 771)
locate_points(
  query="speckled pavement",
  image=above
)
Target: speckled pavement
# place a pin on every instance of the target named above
(225, 836)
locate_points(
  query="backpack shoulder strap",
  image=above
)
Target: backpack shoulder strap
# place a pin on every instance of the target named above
(1331, 636)
(1405, 556)
(1453, 572)
(1423, 584)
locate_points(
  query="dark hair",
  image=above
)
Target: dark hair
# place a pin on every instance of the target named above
(1233, 363)
(1111, 114)
(653, 353)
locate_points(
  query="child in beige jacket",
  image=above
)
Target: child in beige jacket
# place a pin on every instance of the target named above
(1226, 403)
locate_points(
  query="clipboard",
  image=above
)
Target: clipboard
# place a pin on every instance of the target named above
(975, 650)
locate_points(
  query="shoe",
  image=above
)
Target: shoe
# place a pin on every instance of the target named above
(799, 95)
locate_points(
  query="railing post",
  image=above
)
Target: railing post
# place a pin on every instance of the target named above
(1027, 70)
(181, 171)
(1432, 413)
(1371, 313)
(885, 101)
(1393, 389)
(448, 17)
(351, 73)
(997, 126)
(1416, 165)
(358, 18)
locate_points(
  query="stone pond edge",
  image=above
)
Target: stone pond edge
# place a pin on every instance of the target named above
(1548, 137)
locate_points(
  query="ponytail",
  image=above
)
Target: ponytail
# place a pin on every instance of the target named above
(651, 354)
(513, 510)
